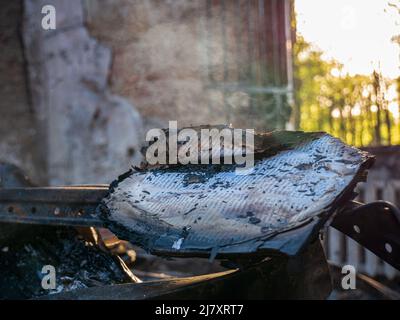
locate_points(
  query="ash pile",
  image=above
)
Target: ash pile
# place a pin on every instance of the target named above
(81, 257)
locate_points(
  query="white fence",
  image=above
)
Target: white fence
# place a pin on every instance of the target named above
(342, 250)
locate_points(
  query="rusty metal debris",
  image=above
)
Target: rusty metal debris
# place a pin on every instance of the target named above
(250, 257)
(79, 262)
(71, 206)
(78, 254)
(298, 182)
(268, 279)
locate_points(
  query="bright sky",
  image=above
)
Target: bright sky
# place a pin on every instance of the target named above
(357, 33)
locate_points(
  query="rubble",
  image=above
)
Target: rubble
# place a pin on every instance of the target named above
(79, 263)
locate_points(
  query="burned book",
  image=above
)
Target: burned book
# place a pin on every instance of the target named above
(297, 182)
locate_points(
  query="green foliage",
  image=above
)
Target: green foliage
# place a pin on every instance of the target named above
(354, 108)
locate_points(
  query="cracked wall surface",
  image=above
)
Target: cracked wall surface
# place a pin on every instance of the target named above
(17, 121)
(87, 134)
(197, 61)
(108, 73)
(160, 59)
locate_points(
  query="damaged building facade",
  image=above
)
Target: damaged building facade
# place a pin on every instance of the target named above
(77, 100)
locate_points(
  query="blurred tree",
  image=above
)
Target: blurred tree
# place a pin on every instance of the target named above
(352, 107)
(309, 70)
